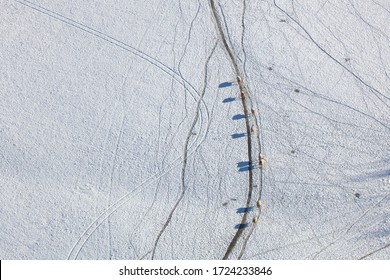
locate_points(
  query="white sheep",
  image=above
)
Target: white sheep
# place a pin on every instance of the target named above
(239, 79)
(261, 160)
(253, 128)
(254, 220)
(258, 203)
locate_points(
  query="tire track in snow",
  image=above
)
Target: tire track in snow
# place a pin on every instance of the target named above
(348, 229)
(375, 251)
(376, 92)
(124, 199)
(185, 155)
(203, 113)
(114, 160)
(127, 197)
(172, 109)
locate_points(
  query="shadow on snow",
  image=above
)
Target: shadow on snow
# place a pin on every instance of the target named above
(244, 209)
(246, 168)
(238, 135)
(240, 226)
(238, 117)
(225, 84)
(229, 99)
(243, 164)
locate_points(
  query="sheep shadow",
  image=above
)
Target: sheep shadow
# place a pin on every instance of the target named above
(246, 168)
(238, 117)
(244, 210)
(241, 226)
(238, 135)
(225, 84)
(229, 99)
(243, 164)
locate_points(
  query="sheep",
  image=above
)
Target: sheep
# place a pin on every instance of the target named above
(253, 128)
(253, 111)
(258, 203)
(242, 94)
(261, 160)
(239, 79)
(254, 220)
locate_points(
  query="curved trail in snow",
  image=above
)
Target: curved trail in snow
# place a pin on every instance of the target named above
(185, 156)
(250, 146)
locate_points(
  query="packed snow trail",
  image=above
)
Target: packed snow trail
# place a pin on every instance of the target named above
(251, 151)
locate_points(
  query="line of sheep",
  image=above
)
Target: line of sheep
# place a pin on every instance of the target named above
(254, 129)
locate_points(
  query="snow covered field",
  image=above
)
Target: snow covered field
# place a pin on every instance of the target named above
(123, 133)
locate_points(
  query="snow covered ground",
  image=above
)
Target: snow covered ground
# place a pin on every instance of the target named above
(123, 134)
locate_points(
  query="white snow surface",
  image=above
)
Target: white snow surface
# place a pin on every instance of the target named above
(117, 142)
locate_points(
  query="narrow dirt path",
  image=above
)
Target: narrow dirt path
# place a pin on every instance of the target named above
(249, 121)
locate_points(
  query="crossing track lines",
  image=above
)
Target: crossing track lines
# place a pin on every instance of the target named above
(192, 147)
